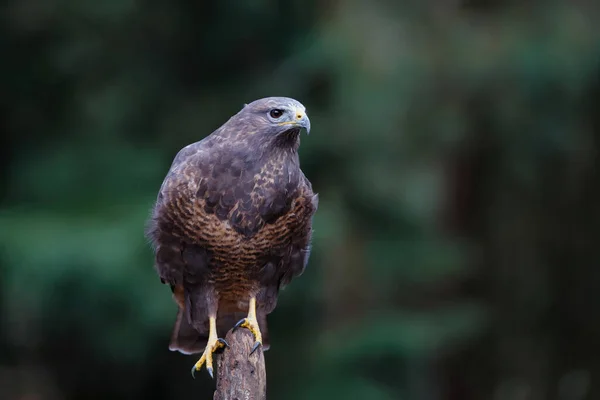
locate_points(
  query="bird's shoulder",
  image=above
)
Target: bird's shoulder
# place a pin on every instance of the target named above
(229, 183)
(196, 164)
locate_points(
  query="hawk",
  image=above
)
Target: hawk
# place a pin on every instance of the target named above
(232, 225)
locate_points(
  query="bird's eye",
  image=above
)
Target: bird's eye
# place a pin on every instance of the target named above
(276, 113)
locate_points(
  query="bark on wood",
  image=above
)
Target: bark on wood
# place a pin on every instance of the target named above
(241, 376)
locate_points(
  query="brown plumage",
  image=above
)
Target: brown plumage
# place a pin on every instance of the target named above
(233, 221)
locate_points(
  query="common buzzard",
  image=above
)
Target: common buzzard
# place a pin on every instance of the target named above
(232, 225)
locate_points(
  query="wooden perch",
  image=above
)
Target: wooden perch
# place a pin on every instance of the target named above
(241, 376)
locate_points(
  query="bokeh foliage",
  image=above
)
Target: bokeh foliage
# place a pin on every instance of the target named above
(454, 146)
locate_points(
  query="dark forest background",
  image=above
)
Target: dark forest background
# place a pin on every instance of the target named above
(455, 147)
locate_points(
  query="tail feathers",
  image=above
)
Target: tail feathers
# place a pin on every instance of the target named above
(188, 340)
(264, 329)
(185, 338)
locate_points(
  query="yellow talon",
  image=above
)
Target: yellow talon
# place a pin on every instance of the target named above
(213, 344)
(251, 324)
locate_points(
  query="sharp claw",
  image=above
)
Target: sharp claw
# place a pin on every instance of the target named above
(240, 322)
(255, 347)
(206, 358)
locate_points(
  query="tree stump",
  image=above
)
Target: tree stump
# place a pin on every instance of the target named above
(241, 376)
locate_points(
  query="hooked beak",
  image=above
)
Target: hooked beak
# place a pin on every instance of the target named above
(301, 121)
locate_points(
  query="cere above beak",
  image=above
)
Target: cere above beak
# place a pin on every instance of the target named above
(301, 121)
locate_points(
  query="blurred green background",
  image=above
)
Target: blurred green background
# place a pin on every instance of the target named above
(455, 148)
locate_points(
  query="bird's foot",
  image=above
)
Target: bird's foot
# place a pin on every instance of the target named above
(214, 344)
(251, 324)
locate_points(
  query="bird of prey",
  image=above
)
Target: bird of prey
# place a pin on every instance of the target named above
(232, 225)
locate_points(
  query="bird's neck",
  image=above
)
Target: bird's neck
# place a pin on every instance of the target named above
(287, 141)
(283, 148)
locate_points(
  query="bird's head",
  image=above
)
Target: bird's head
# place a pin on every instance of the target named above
(274, 119)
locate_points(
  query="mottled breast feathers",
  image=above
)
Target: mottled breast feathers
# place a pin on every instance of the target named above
(246, 191)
